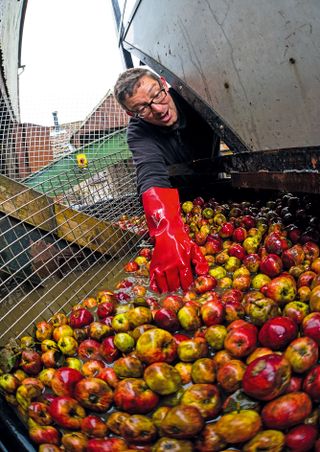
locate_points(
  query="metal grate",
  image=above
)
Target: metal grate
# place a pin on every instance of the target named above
(69, 214)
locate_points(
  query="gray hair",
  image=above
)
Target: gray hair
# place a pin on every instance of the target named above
(128, 81)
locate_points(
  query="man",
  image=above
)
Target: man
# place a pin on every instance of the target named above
(168, 139)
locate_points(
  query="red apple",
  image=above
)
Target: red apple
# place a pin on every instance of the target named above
(248, 221)
(133, 395)
(212, 312)
(67, 412)
(286, 411)
(166, 319)
(30, 362)
(240, 342)
(94, 426)
(252, 262)
(226, 230)
(44, 434)
(311, 326)
(64, 381)
(105, 309)
(239, 234)
(266, 377)
(311, 251)
(293, 256)
(108, 350)
(301, 438)
(271, 265)
(204, 283)
(80, 318)
(236, 250)
(107, 445)
(275, 243)
(89, 349)
(311, 383)
(94, 394)
(278, 332)
(173, 302)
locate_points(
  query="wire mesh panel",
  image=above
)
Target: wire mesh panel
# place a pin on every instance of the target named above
(69, 214)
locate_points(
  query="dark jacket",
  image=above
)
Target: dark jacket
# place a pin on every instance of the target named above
(172, 156)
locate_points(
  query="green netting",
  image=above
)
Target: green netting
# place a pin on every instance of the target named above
(100, 154)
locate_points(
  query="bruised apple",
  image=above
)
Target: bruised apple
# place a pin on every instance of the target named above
(162, 378)
(302, 353)
(156, 345)
(238, 426)
(182, 421)
(93, 393)
(287, 410)
(266, 377)
(205, 397)
(133, 395)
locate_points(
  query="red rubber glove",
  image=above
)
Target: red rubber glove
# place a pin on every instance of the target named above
(174, 251)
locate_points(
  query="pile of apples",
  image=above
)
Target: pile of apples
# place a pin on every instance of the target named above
(231, 364)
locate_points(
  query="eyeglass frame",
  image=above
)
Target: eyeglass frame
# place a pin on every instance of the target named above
(148, 105)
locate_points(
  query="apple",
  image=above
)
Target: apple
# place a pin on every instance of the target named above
(30, 362)
(237, 250)
(204, 283)
(58, 319)
(139, 316)
(64, 380)
(240, 342)
(301, 437)
(215, 336)
(252, 262)
(203, 370)
(278, 332)
(182, 421)
(74, 441)
(62, 331)
(239, 234)
(138, 429)
(241, 282)
(238, 426)
(175, 444)
(296, 310)
(66, 412)
(189, 318)
(41, 434)
(105, 295)
(226, 230)
(43, 330)
(38, 411)
(213, 245)
(124, 342)
(232, 264)
(208, 440)
(92, 367)
(314, 301)
(162, 378)
(80, 318)
(205, 397)
(286, 411)
(120, 323)
(311, 326)
(231, 295)
(166, 319)
(173, 302)
(105, 309)
(9, 383)
(266, 377)
(192, 349)
(275, 243)
(311, 383)
(89, 303)
(212, 312)
(156, 345)
(261, 309)
(99, 330)
(53, 358)
(68, 345)
(230, 374)
(94, 394)
(131, 267)
(108, 350)
(271, 440)
(271, 265)
(133, 395)
(293, 256)
(107, 444)
(302, 353)
(94, 426)
(311, 250)
(128, 366)
(115, 420)
(282, 289)
(109, 376)
(306, 278)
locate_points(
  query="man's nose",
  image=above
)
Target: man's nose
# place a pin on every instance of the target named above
(156, 107)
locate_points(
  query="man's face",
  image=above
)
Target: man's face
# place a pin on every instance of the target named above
(159, 114)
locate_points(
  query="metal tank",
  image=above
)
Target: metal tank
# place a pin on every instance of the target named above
(251, 68)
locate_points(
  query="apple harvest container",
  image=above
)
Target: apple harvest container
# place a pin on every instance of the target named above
(70, 219)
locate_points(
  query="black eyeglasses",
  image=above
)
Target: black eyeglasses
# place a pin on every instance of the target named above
(144, 110)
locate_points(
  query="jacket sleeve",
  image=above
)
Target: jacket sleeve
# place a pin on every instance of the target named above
(151, 169)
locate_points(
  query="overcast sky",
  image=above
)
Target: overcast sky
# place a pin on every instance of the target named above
(71, 59)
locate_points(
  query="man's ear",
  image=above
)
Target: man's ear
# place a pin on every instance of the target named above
(164, 82)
